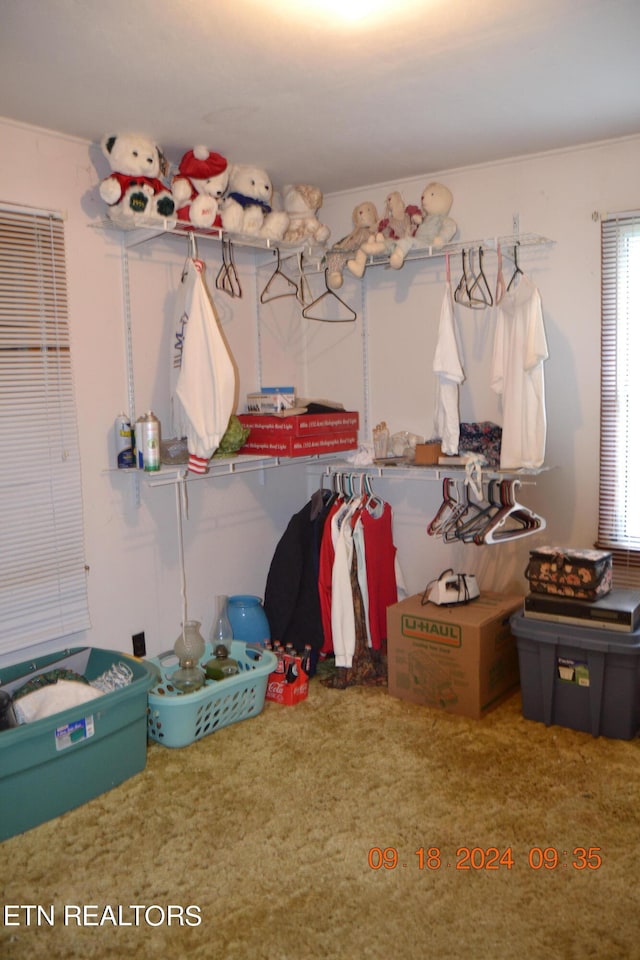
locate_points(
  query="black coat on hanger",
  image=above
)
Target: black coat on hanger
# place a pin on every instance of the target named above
(291, 600)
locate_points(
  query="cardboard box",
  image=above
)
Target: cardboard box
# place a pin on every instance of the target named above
(428, 454)
(462, 658)
(302, 424)
(273, 445)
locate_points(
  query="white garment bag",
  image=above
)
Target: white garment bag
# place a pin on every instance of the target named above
(202, 369)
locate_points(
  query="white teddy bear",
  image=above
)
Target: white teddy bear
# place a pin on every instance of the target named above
(302, 202)
(436, 229)
(134, 192)
(199, 186)
(247, 207)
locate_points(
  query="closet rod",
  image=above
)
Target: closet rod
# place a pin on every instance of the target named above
(439, 472)
(488, 244)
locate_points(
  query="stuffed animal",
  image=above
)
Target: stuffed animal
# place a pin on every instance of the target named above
(398, 222)
(199, 185)
(301, 202)
(436, 229)
(247, 206)
(134, 192)
(365, 224)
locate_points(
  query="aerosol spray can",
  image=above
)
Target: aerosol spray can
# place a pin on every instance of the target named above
(139, 440)
(151, 442)
(124, 445)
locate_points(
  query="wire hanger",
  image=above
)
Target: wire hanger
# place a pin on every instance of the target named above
(517, 269)
(292, 288)
(461, 294)
(304, 290)
(306, 313)
(227, 279)
(482, 295)
(472, 291)
(501, 287)
(192, 255)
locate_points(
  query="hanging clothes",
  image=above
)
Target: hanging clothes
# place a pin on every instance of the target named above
(364, 666)
(382, 573)
(359, 578)
(367, 667)
(448, 367)
(519, 352)
(343, 627)
(325, 568)
(333, 574)
(205, 385)
(291, 598)
(361, 570)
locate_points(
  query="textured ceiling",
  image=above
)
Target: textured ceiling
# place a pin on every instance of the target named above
(295, 88)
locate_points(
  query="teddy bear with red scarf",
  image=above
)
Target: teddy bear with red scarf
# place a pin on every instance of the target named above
(134, 191)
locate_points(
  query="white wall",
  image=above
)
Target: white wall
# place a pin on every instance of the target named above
(555, 195)
(234, 523)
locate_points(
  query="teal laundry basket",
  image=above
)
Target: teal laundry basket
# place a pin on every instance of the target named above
(177, 719)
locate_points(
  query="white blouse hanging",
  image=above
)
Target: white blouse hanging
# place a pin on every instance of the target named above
(447, 365)
(520, 349)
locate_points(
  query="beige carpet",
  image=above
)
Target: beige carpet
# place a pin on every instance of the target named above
(266, 828)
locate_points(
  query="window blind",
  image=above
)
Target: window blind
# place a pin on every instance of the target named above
(43, 589)
(619, 513)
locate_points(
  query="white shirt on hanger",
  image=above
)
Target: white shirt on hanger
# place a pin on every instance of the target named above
(343, 623)
(519, 352)
(447, 364)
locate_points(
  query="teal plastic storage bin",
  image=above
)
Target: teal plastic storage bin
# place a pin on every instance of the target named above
(584, 678)
(178, 719)
(51, 765)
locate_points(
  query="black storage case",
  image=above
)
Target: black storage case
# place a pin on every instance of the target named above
(579, 677)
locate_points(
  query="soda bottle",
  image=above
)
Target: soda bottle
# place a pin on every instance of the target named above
(292, 670)
(306, 659)
(280, 664)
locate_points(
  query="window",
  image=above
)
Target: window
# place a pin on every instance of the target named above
(43, 590)
(619, 520)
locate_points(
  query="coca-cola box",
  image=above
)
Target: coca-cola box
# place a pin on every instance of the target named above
(461, 658)
(288, 686)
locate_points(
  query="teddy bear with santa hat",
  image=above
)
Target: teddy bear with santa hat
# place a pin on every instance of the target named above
(199, 186)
